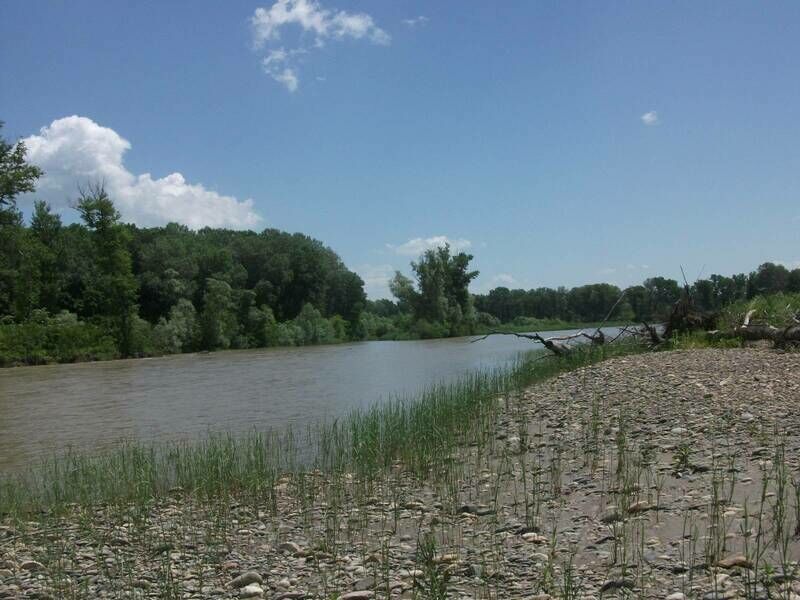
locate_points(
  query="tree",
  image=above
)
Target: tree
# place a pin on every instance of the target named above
(16, 175)
(218, 324)
(441, 298)
(768, 279)
(114, 287)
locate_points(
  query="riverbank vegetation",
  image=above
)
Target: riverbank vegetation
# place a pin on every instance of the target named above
(102, 289)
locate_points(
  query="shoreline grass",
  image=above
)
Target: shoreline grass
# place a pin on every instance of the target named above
(418, 433)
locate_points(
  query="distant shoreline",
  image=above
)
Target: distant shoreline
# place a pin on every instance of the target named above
(546, 326)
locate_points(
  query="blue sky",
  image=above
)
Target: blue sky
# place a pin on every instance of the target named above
(561, 143)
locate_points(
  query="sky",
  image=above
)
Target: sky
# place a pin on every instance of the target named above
(559, 143)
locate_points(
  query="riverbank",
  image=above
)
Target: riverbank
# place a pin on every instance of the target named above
(70, 341)
(652, 474)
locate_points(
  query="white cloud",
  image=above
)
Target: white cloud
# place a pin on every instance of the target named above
(75, 150)
(376, 280)
(311, 18)
(504, 279)
(275, 65)
(650, 118)
(416, 246)
(414, 21)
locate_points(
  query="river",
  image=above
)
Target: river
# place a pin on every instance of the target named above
(90, 406)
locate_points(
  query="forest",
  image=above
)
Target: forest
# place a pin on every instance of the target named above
(101, 288)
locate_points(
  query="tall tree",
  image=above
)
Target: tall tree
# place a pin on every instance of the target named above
(114, 289)
(16, 175)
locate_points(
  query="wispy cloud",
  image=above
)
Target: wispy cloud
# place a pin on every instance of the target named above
(416, 246)
(414, 21)
(650, 118)
(376, 279)
(75, 150)
(310, 18)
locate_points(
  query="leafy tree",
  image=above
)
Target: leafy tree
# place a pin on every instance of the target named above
(218, 324)
(441, 299)
(16, 175)
(113, 292)
(793, 281)
(768, 279)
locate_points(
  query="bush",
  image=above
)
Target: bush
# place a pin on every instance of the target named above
(774, 309)
(62, 338)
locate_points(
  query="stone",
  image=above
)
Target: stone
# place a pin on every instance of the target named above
(616, 584)
(251, 591)
(246, 579)
(291, 548)
(367, 583)
(738, 560)
(676, 596)
(639, 507)
(360, 595)
(31, 565)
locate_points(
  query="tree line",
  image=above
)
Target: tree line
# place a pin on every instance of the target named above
(102, 288)
(650, 301)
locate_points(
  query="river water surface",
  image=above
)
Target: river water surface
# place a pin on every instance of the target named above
(91, 406)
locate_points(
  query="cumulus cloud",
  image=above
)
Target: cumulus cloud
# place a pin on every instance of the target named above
(416, 246)
(310, 18)
(75, 150)
(650, 118)
(376, 279)
(414, 21)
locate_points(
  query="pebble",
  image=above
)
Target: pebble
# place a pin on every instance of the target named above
(245, 579)
(251, 591)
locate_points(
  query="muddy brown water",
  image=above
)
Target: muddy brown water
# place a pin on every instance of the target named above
(91, 406)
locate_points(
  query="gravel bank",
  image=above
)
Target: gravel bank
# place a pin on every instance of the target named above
(664, 475)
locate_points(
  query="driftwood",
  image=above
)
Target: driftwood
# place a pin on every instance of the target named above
(684, 317)
(559, 345)
(781, 337)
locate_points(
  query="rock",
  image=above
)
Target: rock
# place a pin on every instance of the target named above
(246, 579)
(611, 516)
(738, 560)
(291, 548)
(639, 507)
(361, 595)
(718, 595)
(721, 580)
(6, 573)
(31, 565)
(291, 596)
(480, 511)
(616, 584)
(367, 583)
(445, 558)
(251, 591)
(676, 596)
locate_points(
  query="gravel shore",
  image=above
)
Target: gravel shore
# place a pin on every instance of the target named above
(663, 475)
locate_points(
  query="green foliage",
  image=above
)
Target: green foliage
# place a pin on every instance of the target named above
(44, 339)
(440, 303)
(16, 175)
(112, 290)
(169, 289)
(778, 310)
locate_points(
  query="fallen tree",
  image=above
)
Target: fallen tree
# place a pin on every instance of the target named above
(685, 318)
